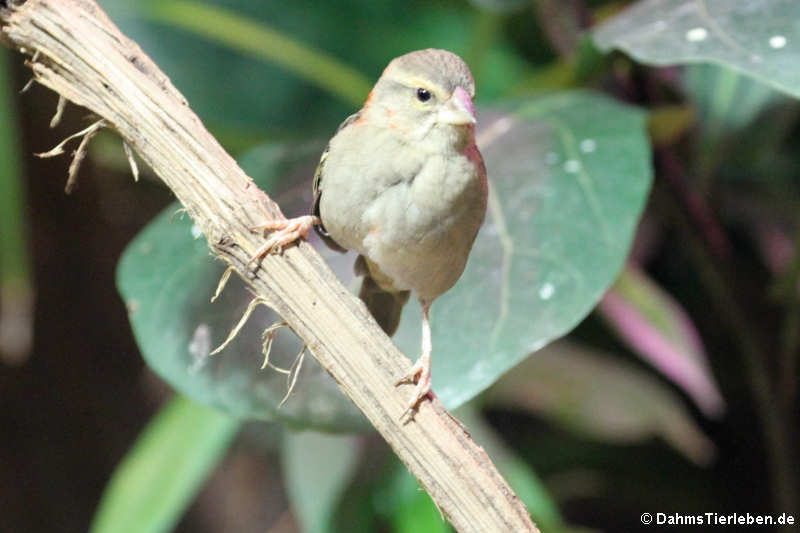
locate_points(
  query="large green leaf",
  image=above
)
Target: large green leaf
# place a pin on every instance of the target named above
(569, 175)
(757, 38)
(167, 465)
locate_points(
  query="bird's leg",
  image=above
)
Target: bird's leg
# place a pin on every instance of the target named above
(421, 371)
(283, 232)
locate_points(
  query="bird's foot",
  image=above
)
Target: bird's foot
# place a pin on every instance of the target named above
(420, 374)
(283, 232)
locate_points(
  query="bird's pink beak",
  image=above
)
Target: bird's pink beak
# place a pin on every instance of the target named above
(458, 110)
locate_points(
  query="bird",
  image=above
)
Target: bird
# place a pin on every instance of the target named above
(402, 183)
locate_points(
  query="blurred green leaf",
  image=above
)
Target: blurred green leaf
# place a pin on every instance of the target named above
(757, 38)
(160, 475)
(263, 42)
(14, 261)
(409, 507)
(16, 287)
(741, 121)
(657, 328)
(501, 6)
(601, 397)
(317, 468)
(569, 176)
(522, 479)
(726, 100)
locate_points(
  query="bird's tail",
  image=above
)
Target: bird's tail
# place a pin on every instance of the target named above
(383, 301)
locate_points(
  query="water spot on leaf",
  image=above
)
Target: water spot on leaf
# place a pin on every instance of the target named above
(547, 291)
(777, 41)
(572, 166)
(696, 35)
(588, 146)
(200, 346)
(734, 36)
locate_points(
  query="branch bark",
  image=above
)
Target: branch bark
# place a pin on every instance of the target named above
(79, 53)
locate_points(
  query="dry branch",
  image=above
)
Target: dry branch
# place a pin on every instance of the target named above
(82, 56)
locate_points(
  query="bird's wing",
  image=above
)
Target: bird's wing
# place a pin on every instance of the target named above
(318, 174)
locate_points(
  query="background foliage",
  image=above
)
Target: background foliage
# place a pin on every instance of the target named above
(679, 374)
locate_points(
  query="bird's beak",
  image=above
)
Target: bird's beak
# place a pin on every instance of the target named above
(458, 110)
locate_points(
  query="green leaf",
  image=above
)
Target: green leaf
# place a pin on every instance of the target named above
(14, 260)
(160, 475)
(598, 396)
(261, 41)
(523, 480)
(500, 6)
(317, 468)
(757, 38)
(569, 176)
(726, 100)
(409, 507)
(16, 286)
(741, 121)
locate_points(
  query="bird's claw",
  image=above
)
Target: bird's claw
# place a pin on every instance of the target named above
(420, 374)
(283, 232)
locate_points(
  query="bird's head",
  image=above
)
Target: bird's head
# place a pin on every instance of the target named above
(426, 93)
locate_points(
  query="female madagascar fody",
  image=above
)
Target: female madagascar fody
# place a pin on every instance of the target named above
(402, 182)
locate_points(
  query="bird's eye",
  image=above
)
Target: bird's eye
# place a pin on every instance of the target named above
(423, 95)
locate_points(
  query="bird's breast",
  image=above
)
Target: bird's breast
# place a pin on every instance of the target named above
(421, 232)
